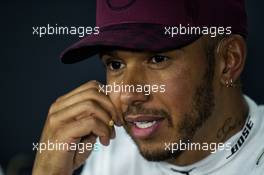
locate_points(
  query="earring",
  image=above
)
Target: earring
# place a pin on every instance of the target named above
(229, 83)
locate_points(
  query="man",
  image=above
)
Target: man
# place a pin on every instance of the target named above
(195, 121)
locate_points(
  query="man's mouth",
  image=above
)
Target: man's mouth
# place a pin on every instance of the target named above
(144, 126)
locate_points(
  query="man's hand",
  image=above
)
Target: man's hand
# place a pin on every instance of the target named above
(79, 116)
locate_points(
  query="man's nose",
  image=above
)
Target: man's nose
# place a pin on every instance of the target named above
(133, 98)
(133, 93)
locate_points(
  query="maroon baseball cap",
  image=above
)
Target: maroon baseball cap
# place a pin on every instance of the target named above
(142, 24)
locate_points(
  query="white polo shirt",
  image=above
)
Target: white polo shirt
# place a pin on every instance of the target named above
(122, 157)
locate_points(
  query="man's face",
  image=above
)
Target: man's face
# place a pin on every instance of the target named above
(162, 117)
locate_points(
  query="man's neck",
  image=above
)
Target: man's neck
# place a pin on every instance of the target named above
(228, 118)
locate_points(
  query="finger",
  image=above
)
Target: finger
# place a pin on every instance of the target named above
(86, 108)
(90, 84)
(74, 131)
(81, 157)
(90, 94)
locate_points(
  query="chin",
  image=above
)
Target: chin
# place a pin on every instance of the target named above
(156, 151)
(153, 149)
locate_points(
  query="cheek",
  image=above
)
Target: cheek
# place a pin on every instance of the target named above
(179, 93)
(178, 96)
(115, 98)
(181, 85)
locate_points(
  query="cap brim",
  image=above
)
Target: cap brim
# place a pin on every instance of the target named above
(148, 37)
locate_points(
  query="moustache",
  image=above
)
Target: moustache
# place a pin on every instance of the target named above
(139, 110)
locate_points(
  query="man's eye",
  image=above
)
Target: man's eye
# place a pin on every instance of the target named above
(158, 59)
(114, 65)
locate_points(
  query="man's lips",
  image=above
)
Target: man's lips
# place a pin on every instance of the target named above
(144, 126)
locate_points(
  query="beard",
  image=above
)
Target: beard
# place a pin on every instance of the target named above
(200, 110)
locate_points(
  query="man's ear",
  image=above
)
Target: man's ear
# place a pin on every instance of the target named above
(231, 52)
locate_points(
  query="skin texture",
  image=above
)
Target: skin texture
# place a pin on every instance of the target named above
(196, 105)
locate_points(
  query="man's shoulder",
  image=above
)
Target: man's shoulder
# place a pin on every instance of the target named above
(256, 149)
(256, 114)
(260, 120)
(260, 137)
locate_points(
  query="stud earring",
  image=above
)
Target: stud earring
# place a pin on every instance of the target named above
(229, 83)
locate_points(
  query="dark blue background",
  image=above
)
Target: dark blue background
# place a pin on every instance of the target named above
(32, 76)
